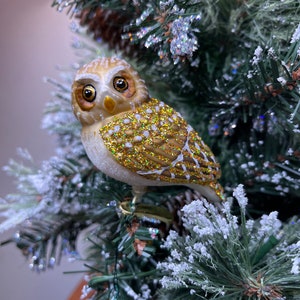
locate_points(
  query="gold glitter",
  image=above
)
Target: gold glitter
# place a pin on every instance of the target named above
(154, 141)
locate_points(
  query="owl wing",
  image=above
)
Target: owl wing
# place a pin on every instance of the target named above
(155, 142)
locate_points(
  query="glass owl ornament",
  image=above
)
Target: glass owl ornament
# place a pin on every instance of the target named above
(137, 139)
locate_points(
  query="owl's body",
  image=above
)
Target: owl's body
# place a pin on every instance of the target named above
(137, 139)
(101, 157)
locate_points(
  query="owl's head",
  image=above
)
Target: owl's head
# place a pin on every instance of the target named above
(106, 87)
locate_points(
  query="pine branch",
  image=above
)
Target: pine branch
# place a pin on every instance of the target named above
(73, 6)
(227, 259)
(127, 262)
(45, 240)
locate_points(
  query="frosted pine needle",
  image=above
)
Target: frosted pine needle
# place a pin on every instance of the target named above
(222, 257)
(296, 35)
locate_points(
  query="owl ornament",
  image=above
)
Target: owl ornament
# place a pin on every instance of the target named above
(137, 139)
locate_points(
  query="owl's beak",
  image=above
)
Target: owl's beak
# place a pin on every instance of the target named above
(109, 104)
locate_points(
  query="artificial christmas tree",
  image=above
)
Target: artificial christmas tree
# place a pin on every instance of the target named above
(231, 68)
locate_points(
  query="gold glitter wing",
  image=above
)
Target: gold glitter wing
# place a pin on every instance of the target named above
(154, 141)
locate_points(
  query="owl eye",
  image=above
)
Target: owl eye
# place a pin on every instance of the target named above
(89, 93)
(120, 84)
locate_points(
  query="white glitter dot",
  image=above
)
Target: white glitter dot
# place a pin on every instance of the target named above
(149, 111)
(138, 116)
(126, 121)
(137, 138)
(187, 176)
(116, 128)
(153, 127)
(128, 145)
(172, 175)
(157, 108)
(146, 133)
(110, 132)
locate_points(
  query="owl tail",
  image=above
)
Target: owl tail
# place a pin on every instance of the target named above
(213, 192)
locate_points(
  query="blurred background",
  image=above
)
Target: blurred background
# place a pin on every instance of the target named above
(34, 39)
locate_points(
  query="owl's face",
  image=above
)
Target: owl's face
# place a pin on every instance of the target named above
(106, 87)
